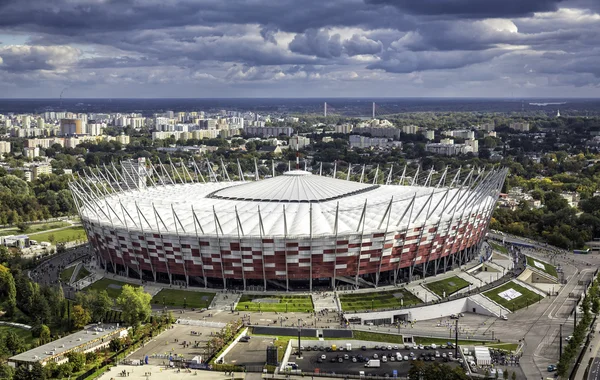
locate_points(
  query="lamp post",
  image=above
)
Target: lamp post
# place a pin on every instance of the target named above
(299, 333)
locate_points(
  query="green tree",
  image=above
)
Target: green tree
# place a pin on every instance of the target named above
(8, 290)
(81, 317)
(37, 372)
(135, 304)
(13, 343)
(22, 373)
(6, 372)
(42, 332)
(505, 374)
(514, 376)
(77, 359)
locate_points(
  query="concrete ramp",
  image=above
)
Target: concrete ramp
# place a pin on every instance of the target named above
(531, 287)
(75, 272)
(490, 306)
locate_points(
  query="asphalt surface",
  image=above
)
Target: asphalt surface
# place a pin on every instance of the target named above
(594, 373)
(309, 362)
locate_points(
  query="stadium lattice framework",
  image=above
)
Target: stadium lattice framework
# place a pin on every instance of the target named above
(295, 231)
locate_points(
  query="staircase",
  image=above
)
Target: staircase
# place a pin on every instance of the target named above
(489, 305)
(475, 281)
(75, 272)
(224, 301)
(431, 296)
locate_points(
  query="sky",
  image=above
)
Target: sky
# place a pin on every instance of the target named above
(299, 48)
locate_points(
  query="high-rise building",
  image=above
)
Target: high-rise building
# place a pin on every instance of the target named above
(70, 127)
(4, 147)
(38, 170)
(410, 129)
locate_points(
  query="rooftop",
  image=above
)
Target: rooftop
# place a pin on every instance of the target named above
(66, 344)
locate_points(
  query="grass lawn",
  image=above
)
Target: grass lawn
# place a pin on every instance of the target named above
(378, 300)
(65, 275)
(175, 297)
(22, 333)
(498, 247)
(83, 273)
(526, 298)
(112, 287)
(9, 231)
(275, 303)
(61, 236)
(449, 285)
(377, 337)
(548, 268)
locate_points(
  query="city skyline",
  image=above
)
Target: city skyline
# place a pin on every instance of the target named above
(350, 48)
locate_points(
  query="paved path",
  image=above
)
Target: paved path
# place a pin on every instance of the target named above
(593, 352)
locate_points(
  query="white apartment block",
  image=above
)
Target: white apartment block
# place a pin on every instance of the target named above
(363, 142)
(461, 134)
(298, 142)
(344, 128)
(4, 147)
(429, 134)
(521, 127)
(410, 129)
(268, 131)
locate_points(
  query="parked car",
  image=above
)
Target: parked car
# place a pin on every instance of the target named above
(551, 368)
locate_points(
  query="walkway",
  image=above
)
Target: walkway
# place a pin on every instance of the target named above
(594, 372)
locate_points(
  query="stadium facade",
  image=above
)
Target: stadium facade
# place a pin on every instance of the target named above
(296, 231)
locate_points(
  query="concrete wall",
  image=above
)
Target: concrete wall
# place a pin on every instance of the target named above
(445, 309)
(235, 341)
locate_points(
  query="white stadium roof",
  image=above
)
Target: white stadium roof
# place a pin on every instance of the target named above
(285, 202)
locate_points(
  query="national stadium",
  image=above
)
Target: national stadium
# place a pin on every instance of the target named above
(295, 231)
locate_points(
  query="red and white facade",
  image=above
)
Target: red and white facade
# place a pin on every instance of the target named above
(297, 230)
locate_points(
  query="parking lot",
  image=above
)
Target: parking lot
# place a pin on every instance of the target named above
(170, 343)
(251, 353)
(354, 361)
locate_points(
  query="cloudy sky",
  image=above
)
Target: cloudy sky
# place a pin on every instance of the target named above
(299, 48)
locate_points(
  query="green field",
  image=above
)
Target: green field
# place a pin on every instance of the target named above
(61, 236)
(173, 297)
(449, 285)
(33, 228)
(280, 303)
(378, 300)
(377, 337)
(83, 273)
(22, 333)
(548, 268)
(65, 275)
(527, 296)
(113, 291)
(498, 247)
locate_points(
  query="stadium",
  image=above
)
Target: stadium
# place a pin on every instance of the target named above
(295, 231)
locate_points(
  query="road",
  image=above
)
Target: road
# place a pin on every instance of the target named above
(594, 373)
(540, 323)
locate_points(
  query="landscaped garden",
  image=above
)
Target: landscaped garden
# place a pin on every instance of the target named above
(378, 300)
(447, 286)
(250, 302)
(183, 298)
(513, 296)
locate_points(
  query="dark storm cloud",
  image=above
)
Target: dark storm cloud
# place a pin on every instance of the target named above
(318, 43)
(426, 42)
(472, 8)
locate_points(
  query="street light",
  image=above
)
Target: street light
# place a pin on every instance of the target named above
(299, 333)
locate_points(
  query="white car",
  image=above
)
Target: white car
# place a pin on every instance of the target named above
(405, 358)
(569, 338)
(323, 357)
(389, 348)
(384, 359)
(437, 354)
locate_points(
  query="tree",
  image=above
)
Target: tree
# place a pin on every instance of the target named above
(135, 304)
(505, 374)
(13, 343)
(42, 332)
(37, 372)
(6, 372)
(514, 376)
(81, 317)
(22, 373)
(8, 290)
(77, 360)
(115, 345)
